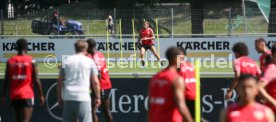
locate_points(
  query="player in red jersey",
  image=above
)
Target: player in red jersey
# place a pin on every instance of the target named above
(167, 94)
(261, 48)
(247, 109)
(268, 82)
(242, 65)
(145, 42)
(105, 82)
(21, 74)
(187, 71)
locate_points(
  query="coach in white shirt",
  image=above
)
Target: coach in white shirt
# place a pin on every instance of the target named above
(74, 85)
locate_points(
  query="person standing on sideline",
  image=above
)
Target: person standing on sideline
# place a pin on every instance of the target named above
(110, 26)
(145, 42)
(242, 65)
(75, 76)
(247, 109)
(187, 71)
(267, 82)
(261, 48)
(167, 94)
(21, 74)
(105, 82)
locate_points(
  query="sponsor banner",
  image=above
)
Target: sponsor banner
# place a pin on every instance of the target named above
(205, 48)
(129, 101)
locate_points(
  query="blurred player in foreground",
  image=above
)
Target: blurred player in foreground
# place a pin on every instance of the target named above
(21, 74)
(105, 83)
(247, 109)
(187, 71)
(267, 82)
(242, 65)
(167, 93)
(74, 79)
(145, 42)
(261, 48)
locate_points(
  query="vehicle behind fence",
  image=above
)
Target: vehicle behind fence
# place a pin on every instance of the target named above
(170, 21)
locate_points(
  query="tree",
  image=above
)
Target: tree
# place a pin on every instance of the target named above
(3, 6)
(272, 18)
(197, 16)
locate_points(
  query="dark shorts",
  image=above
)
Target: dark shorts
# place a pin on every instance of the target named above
(23, 103)
(104, 94)
(191, 107)
(146, 47)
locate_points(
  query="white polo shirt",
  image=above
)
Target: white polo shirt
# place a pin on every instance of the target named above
(78, 70)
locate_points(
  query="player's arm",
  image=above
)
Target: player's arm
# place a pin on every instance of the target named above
(179, 97)
(152, 36)
(269, 115)
(233, 85)
(234, 82)
(6, 84)
(61, 78)
(223, 115)
(37, 83)
(264, 93)
(96, 85)
(267, 77)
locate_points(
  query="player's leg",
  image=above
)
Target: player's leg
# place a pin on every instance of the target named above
(142, 54)
(84, 111)
(106, 106)
(27, 114)
(18, 114)
(94, 108)
(68, 111)
(191, 107)
(153, 50)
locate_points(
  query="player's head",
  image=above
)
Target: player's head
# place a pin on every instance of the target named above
(91, 45)
(81, 46)
(247, 88)
(21, 45)
(171, 55)
(240, 49)
(260, 45)
(181, 53)
(109, 17)
(146, 24)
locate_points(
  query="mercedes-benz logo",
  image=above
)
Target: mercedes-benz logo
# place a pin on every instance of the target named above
(52, 104)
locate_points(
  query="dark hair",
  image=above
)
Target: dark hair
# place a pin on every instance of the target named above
(81, 45)
(181, 49)
(268, 59)
(171, 53)
(21, 44)
(240, 48)
(244, 77)
(260, 40)
(273, 48)
(91, 43)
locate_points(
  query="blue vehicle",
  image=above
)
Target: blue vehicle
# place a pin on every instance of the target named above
(48, 25)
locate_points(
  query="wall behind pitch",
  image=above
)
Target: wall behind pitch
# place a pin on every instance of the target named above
(205, 48)
(129, 100)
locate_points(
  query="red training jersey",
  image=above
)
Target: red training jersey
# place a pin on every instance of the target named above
(269, 78)
(146, 32)
(262, 60)
(247, 113)
(187, 71)
(100, 62)
(162, 104)
(246, 65)
(20, 70)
